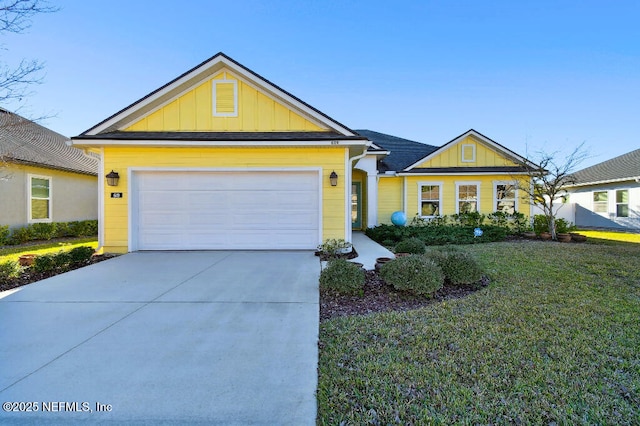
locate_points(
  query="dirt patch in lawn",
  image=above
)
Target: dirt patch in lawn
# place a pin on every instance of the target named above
(381, 297)
(29, 276)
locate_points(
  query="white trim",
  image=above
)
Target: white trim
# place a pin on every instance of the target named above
(464, 174)
(214, 97)
(495, 193)
(30, 219)
(132, 208)
(190, 143)
(479, 138)
(405, 197)
(440, 185)
(206, 70)
(101, 203)
(599, 182)
(457, 200)
(473, 153)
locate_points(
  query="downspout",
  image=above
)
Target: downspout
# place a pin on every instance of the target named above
(347, 193)
(101, 202)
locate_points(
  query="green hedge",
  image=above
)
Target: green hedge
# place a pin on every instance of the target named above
(63, 260)
(391, 235)
(47, 231)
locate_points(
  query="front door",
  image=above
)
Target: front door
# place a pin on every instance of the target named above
(356, 205)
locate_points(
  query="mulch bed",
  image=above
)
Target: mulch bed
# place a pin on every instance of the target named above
(381, 297)
(29, 276)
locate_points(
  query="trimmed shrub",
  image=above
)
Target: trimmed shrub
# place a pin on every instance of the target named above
(415, 274)
(80, 254)
(343, 277)
(459, 268)
(44, 263)
(4, 235)
(63, 230)
(21, 235)
(411, 245)
(9, 269)
(43, 231)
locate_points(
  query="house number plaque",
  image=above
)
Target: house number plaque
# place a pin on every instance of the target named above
(116, 195)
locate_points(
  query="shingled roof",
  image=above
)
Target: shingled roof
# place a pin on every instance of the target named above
(621, 168)
(402, 152)
(25, 142)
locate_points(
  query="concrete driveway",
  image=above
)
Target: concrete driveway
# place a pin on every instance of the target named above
(164, 338)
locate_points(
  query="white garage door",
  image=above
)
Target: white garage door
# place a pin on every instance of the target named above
(226, 210)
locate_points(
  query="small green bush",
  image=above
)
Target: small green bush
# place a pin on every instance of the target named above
(334, 247)
(411, 245)
(43, 231)
(63, 230)
(21, 235)
(44, 263)
(459, 268)
(80, 254)
(415, 274)
(343, 277)
(62, 259)
(9, 269)
(4, 235)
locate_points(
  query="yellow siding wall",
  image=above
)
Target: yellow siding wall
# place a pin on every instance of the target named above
(390, 196)
(448, 188)
(122, 158)
(452, 157)
(193, 111)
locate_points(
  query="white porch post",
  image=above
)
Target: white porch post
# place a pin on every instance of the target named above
(368, 165)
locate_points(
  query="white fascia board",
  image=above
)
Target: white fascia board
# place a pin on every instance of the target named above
(189, 143)
(477, 136)
(462, 174)
(600, 182)
(154, 97)
(220, 62)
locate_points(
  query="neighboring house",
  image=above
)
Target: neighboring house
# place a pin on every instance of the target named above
(221, 158)
(42, 178)
(607, 195)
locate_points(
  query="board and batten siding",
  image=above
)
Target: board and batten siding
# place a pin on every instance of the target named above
(121, 159)
(193, 111)
(485, 156)
(391, 194)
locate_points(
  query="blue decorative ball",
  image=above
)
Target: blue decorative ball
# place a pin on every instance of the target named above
(477, 232)
(399, 218)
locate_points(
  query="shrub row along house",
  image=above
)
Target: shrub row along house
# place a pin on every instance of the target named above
(221, 158)
(42, 178)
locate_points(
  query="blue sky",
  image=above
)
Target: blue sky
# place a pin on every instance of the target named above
(543, 75)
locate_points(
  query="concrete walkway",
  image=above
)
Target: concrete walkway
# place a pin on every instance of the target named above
(165, 338)
(368, 250)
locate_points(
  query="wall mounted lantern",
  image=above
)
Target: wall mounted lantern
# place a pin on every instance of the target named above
(333, 178)
(113, 178)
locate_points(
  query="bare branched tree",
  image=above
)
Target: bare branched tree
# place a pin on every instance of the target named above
(547, 179)
(15, 17)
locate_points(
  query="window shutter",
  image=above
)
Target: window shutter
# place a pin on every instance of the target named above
(225, 98)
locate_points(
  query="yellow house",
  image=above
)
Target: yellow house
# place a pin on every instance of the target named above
(221, 158)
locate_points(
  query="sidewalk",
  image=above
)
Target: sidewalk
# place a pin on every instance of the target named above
(368, 250)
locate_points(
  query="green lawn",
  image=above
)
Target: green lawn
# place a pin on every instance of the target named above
(13, 253)
(601, 236)
(554, 339)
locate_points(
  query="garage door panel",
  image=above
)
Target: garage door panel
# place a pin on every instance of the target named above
(227, 210)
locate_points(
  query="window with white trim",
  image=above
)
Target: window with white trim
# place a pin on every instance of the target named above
(39, 198)
(505, 197)
(225, 98)
(467, 197)
(601, 202)
(622, 203)
(468, 153)
(430, 196)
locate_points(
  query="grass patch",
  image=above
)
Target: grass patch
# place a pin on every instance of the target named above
(603, 236)
(553, 339)
(14, 252)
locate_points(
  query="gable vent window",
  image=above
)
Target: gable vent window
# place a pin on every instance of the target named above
(468, 153)
(225, 98)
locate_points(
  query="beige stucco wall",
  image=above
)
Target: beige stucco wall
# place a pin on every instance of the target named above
(74, 195)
